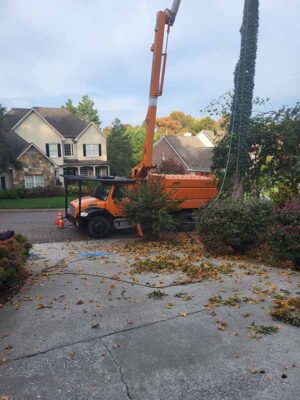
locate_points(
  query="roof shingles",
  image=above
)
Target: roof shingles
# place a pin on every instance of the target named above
(65, 122)
(195, 155)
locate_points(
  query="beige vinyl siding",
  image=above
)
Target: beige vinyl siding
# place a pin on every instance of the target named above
(92, 136)
(34, 130)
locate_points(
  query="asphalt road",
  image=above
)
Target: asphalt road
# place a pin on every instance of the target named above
(39, 226)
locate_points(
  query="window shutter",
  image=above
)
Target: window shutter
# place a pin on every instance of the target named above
(59, 150)
(100, 152)
(84, 150)
(47, 150)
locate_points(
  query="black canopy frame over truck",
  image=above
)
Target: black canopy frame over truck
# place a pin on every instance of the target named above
(80, 179)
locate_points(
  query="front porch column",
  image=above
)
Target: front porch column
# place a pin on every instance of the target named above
(94, 171)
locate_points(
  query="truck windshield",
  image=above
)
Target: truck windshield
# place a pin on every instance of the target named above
(102, 190)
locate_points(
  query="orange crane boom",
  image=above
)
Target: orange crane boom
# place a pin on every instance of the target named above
(164, 20)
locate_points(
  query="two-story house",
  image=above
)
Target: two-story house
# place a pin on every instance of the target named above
(50, 142)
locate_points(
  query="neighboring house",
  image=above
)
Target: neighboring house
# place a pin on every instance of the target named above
(50, 142)
(210, 138)
(188, 152)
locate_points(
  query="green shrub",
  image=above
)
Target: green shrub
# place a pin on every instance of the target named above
(12, 193)
(13, 255)
(151, 207)
(285, 237)
(241, 225)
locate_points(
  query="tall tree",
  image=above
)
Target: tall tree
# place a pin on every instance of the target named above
(7, 158)
(85, 109)
(242, 98)
(119, 151)
(136, 136)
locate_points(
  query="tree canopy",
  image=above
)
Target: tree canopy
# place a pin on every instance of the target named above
(85, 110)
(7, 158)
(273, 141)
(178, 123)
(119, 151)
(136, 135)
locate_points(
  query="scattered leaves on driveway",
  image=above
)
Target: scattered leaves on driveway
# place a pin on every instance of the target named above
(157, 295)
(287, 310)
(265, 330)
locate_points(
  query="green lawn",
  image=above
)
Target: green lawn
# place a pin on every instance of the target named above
(39, 202)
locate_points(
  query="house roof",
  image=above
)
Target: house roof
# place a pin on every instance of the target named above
(65, 122)
(213, 136)
(13, 140)
(192, 152)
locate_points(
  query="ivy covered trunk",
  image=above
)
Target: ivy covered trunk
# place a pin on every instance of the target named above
(242, 99)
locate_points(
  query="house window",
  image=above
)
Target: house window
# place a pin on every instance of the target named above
(91, 150)
(53, 152)
(33, 181)
(68, 147)
(53, 149)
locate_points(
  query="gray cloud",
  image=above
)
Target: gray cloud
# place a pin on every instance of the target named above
(55, 49)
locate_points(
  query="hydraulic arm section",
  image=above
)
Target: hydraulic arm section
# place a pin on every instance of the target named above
(164, 20)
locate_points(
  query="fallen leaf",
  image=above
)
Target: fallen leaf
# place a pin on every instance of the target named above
(95, 325)
(183, 314)
(79, 302)
(246, 315)
(169, 305)
(270, 378)
(129, 322)
(221, 325)
(254, 371)
(9, 347)
(115, 346)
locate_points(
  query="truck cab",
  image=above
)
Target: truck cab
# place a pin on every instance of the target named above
(101, 212)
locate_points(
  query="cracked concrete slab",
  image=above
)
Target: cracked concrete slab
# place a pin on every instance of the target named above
(153, 352)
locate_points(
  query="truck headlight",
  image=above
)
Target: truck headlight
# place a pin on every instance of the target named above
(84, 214)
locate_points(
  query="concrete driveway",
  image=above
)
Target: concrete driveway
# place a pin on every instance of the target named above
(85, 328)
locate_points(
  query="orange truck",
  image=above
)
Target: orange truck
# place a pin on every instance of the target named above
(101, 213)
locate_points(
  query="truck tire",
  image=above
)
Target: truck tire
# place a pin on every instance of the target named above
(186, 222)
(99, 227)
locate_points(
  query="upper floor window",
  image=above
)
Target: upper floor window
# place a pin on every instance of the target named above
(91, 150)
(68, 149)
(53, 149)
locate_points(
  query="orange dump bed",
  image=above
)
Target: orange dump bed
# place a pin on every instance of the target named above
(196, 190)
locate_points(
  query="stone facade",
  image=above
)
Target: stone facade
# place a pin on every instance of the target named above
(34, 163)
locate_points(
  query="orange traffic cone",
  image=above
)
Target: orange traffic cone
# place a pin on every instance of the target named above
(61, 224)
(60, 221)
(139, 230)
(59, 217)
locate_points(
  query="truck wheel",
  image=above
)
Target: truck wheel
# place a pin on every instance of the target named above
(186, 222)
(99, 227)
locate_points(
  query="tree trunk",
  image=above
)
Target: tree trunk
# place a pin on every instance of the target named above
(237, 184)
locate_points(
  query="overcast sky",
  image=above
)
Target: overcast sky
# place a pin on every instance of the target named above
(52, 50)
